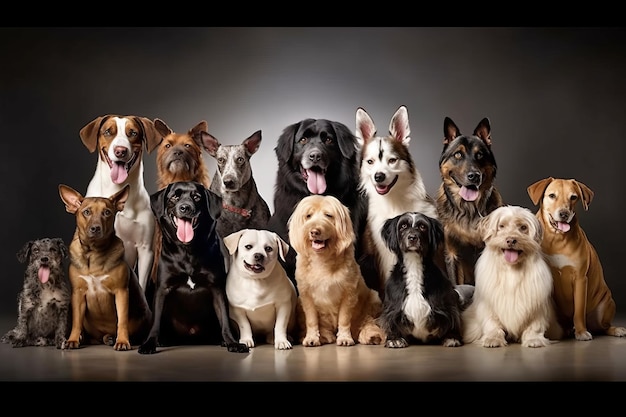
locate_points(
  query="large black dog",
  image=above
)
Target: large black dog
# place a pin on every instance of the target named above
(421, 303)
(316, 156)
(190, 305)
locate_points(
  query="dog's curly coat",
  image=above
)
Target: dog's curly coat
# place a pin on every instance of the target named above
(335, 304)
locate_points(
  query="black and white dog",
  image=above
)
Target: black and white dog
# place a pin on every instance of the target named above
(420, 303)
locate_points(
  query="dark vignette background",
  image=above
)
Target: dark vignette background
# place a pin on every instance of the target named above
(554, 97)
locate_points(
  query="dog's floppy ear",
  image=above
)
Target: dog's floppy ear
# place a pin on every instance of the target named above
(399, 126)
(283, 247)
(89, 132)
(483, 131)
(487, 225)
(436, 233)
(450, 131)
(389, 232)
(24, 252)
(151, 137)
(214, 203)
(232, 241)
(61, 244)
(345, 229)
(536, 190)
(586, 195)
(536, 225)
(253, 143)
(158, 201)
(284, 146)
(365, 128)
(120, 197)
(72, 198)
(345, 139)
(162, 128)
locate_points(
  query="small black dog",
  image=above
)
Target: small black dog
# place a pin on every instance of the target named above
(43, 302)
(190, 304)
(420, 303)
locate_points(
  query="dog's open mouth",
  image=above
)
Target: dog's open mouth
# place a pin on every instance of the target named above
(384, 189)
(318, 245)
(511, 255)
(185, 228)
(43, 274)
(256, 268)
(315, 179)
(120, 169)
(468, 192)
(560, 226)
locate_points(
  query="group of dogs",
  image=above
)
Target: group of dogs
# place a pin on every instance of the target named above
(356, 250)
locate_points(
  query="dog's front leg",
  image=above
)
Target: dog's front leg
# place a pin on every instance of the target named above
(312, 336)
(221, 310)
(493, 333)
(79, 305)
(61, 330)
(534, 335)
(580, 283)
(122, 341)
(283, 313)
(150, 345)
(19, 335)
(344, 321)
(245, 330)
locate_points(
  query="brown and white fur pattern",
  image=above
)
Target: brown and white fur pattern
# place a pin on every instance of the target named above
(513, 296)
(120, 142)
(44, 301)
(391, 181)
(336, 306)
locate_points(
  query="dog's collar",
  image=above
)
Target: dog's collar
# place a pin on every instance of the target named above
(242, 211)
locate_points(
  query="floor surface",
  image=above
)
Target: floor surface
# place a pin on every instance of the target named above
(601, 359)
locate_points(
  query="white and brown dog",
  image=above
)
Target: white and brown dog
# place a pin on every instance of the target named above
(120, 142)
(583, 299)
(513, 296)
(262, 298)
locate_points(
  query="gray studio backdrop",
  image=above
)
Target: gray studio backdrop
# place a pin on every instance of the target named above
(555, 98)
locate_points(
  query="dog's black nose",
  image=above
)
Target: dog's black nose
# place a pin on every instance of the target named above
(563, 215)
(94, 229)
(44, 259)
(412, 238)
(258, 257)
(120, 151)
(185, 208)
(315, 156)
(474, 177)
(511, 241)
(379, 177)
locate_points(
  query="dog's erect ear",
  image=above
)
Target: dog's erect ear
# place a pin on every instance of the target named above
(89, 132)
(586, 195)
(209, 143)
(24, 252)
(450, 131)
(399, 126)
(158, 201)
(120, 197)
(151, 136)
(199, 133)
(214, 202)
(286, 140)
(345, 139)
(232, 241)
(483, 131)
(536, 190)
(61, 244)
(72, 198)
(389, 232)
(162, 128)
(283, 247)
(253, 143)
(365, 127)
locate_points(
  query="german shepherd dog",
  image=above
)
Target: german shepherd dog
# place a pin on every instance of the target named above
(467, 193)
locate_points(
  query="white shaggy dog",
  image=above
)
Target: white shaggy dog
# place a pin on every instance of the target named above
(513, 295)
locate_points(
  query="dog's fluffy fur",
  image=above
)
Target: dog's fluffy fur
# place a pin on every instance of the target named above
(513, 297)
(336, 304)
(420, 301)
(392, 183)
(242, 205)
(262, 298)
(583, 299)
(43, 303)
(467, 193)
(315, 157)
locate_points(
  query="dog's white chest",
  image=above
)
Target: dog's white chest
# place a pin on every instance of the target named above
(95, 283)
(561, 261)
(416, 307)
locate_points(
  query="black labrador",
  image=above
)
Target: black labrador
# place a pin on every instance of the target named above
(189, 300)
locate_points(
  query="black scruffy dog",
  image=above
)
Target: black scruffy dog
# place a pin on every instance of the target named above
(43, 302)
(421, 303)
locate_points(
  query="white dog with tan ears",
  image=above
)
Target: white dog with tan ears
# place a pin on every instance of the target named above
(513, 297)
(262, 298)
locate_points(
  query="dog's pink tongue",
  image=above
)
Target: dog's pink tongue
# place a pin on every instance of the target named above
(184, 231)
(563, 227)
(316, 182)
(510, 255)
(118, 173)
(43, 274)
(468, 194)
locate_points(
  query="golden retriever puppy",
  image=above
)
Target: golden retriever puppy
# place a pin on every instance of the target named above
(335, 304)
(512, 300)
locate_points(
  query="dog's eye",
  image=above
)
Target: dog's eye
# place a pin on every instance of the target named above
(240, 160)
(187, 145)
(479, 155)
(248, 247)
(107, 132)
(329, 215)
(35, 250)
(552, 196)
(422, 227)
(269, 249)
(370, 161)
(393, 160)
(53, 249)
(221, 161)
(403, 226)
(574, 197)
(458, 155)
(303, 140)
(132, 133)
(523, 228)
(87, 212)
(106, 212)
(328, 140)
(168, 145)
(196, 197)
(501, 226)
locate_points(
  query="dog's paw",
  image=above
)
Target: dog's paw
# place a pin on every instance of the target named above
(237, 347)
(282, 344)
(108, 340)
(493, 342)
(149, 347)
(122, 345)
(396, 343)
(451, 342)
(620, 332)
(583, 336)
(311, 341)
(70, 344)
(249, 342)
(535, 342)
(19, 342)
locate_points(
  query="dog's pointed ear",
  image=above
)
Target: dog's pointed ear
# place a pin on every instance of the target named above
(158, 201)
(253, 143)
(89, 132)
(162, 128)
(365, 128)
(283, 247)
(389, 233)
(209, 143)
(450, 131)
(214, 202)
(232, 241)
(24, 252)
(286, 140)
(483, 131)
(61, 244)
(536, 190)
(345, 139)
(151, 137)
(399, 126)
(120, 197)
(586, 195)
(72, 198)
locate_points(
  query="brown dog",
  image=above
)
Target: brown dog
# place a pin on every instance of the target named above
(582, 297)
(107, 301)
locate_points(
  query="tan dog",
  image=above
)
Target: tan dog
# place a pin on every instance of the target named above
(336, 304)
(583, 299)
(261, 297)
(107, 300)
